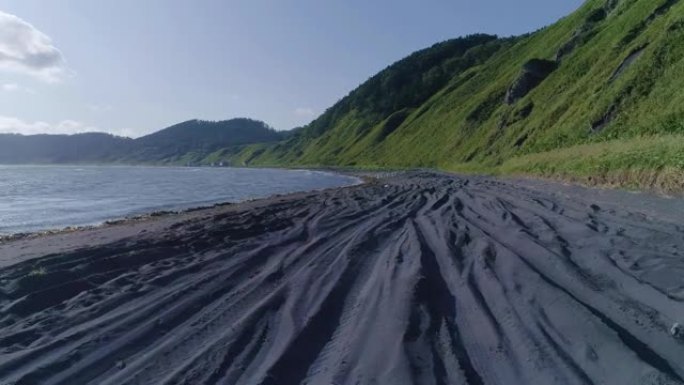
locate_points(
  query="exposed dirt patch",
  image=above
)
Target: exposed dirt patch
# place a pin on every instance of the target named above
(637, 30)
(599, 124)
(533, 73)
(392, 123)
(627, 62)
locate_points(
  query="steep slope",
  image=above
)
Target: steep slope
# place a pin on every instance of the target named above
(373, 111)
(610, 72)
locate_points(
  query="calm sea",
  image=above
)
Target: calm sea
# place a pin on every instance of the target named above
(34, 198)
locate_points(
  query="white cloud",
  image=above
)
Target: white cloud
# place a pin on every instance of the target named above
(13, 87)
(127, 132)
(11, 125)
(26, 50)
(305, 112)
(10, 87)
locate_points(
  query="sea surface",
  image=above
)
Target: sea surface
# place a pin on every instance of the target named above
(36, 198)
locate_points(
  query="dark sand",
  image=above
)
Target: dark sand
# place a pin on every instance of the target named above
(417, 279)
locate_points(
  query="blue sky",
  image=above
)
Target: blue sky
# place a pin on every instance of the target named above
(131, 67)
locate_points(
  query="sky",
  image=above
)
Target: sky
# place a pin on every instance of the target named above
(132, 67)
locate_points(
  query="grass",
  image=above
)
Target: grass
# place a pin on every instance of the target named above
(466, 126)
(653, 163)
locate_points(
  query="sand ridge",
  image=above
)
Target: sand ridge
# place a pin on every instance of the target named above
(416, 279)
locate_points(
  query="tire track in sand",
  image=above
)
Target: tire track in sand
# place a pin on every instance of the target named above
(419, 279)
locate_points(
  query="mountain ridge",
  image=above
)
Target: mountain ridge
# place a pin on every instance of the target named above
(187, 142)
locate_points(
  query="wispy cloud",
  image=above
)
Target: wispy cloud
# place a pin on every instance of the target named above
(26, 50)
(305, 112)
(12, 125)
(127, 132)
(10, 87)
(14, 87)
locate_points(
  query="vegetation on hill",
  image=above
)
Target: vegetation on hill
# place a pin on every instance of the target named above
(192, 141)
(372, 112)
(185, 143)
(608, 76)
(90, 148)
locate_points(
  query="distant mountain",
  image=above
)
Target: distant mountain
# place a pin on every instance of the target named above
(45, 149)
(191, 141)
(187, 142)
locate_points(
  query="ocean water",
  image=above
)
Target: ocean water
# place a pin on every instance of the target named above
(35, 198)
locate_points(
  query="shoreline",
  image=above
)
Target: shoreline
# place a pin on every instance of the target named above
(156, 214)
(362, 176)
(21, 247)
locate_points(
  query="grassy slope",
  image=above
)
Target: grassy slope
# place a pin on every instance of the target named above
(653, 162)
(466, 126)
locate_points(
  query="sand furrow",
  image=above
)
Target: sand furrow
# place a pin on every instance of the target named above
(420, 278)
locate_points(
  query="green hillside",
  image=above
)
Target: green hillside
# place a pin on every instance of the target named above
(193, 141)
(596, 96)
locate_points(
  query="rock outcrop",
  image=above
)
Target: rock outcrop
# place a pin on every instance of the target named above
(627, 62)
(587, 31)
(533, 73)
(599, 124)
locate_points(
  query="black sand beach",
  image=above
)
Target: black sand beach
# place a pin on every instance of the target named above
(415, 279)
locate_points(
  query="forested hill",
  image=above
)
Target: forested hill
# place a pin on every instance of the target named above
(596, 96)
(48, 149)
(192, 141)
(185, 143)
